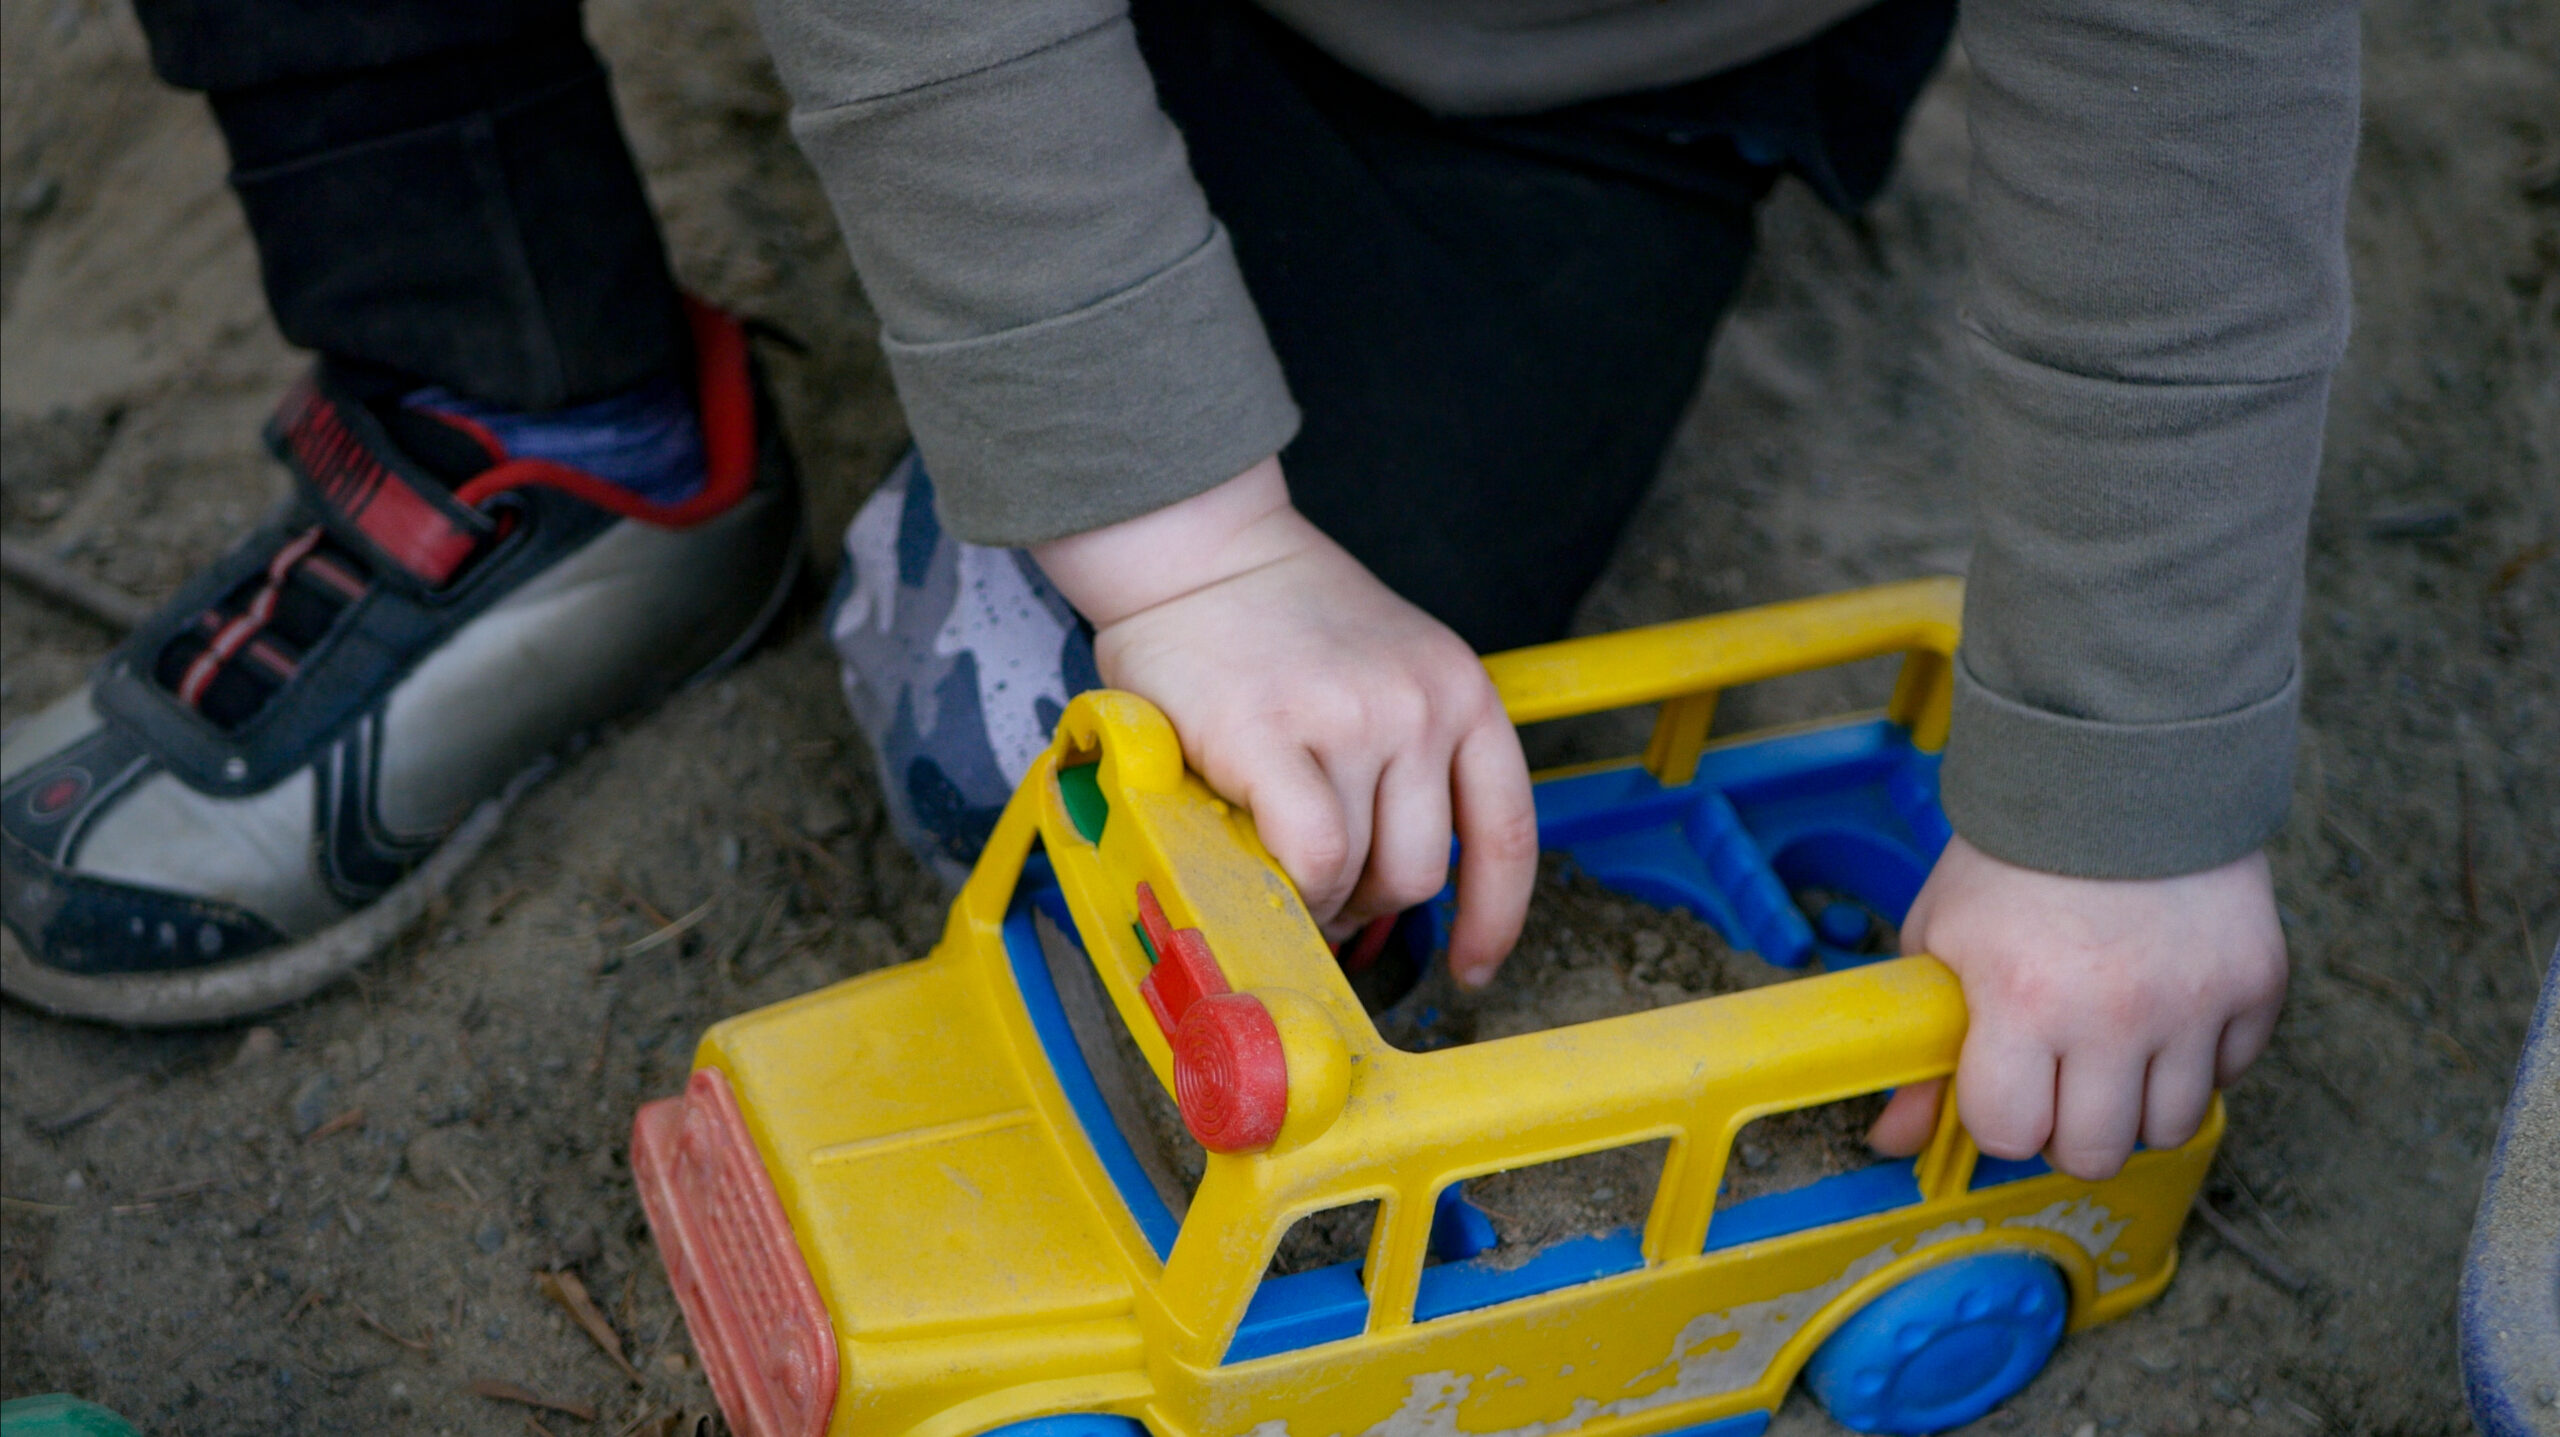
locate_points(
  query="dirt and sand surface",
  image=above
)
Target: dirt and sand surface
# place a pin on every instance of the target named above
(333, 1222)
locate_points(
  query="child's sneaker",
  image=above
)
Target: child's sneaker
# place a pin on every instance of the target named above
(273, 776)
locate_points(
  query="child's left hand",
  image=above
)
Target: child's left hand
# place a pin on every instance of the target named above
(2103, 1010)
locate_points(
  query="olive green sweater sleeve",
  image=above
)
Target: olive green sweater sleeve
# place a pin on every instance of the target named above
(2159, 295)
(1065, 321)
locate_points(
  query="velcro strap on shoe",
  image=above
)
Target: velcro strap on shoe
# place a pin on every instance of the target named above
(372, 497)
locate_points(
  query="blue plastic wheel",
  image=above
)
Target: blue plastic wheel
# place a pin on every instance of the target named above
(1945, 1347)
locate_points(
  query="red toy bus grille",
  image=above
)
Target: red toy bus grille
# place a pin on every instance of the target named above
(755, 1316)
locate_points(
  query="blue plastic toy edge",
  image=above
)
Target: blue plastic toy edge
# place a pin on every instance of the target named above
(1747, 1424)
(1463, 1286)
(2511, 1277)
(1890, 1334)
(1074, 1424)
(1058, 1042)
(1327, 1304)
(1324, 1304)
(1991, 1172)
(1459, 1229)
(1878, 1188)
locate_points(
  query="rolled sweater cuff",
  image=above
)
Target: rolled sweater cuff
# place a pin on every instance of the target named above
(2116, 800)
(1140, 400)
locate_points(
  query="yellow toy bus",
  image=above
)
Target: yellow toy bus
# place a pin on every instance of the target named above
(925, 1201)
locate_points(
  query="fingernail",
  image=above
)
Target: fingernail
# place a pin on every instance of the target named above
(1474, 978)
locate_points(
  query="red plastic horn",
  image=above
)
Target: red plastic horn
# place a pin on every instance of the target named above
(1230, 1076)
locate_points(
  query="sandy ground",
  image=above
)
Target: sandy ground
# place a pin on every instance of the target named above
(332, 1222)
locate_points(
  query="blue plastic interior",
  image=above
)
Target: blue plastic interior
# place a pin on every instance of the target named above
(1851, 808)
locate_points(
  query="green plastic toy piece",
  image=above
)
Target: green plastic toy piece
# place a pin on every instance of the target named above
(1081, 787)
(59, 1414)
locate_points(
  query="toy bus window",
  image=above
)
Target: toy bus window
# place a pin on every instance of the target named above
(1314, 1290)
(1135, 1130)
(1140, 1107)
(1534, 1229)
(1805, 1169)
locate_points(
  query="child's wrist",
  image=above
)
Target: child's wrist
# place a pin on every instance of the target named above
(1122, 569)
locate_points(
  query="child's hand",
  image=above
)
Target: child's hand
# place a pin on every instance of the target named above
(1354, 726)
(2102, 1010)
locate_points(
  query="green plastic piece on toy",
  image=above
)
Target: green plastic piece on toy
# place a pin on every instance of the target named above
(59, 1414)
(1087, 809)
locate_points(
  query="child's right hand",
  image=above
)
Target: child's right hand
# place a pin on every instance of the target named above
(2104, 1011)
(1358, 730)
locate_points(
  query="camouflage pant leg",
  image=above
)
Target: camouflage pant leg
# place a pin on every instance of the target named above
(958, 661)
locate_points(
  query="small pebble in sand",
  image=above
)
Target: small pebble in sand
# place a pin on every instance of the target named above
(824, 815)
(580, 1244)
(257, 1045)
(309, 1105)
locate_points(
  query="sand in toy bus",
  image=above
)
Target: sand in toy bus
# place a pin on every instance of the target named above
(1585, 954)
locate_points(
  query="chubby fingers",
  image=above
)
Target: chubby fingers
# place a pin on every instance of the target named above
(1408, 843)
(1317, 832)
(1497, 847)
(2246, 1035)
(2177, 1091)
(2082, 1109)
(2097, 1111)
(1910, 1116)
(2005, 1090)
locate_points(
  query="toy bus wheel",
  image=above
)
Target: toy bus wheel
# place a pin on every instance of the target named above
(1945, 1347)
(1074, 1424)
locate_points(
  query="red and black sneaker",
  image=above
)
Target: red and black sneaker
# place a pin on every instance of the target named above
(270, 779)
